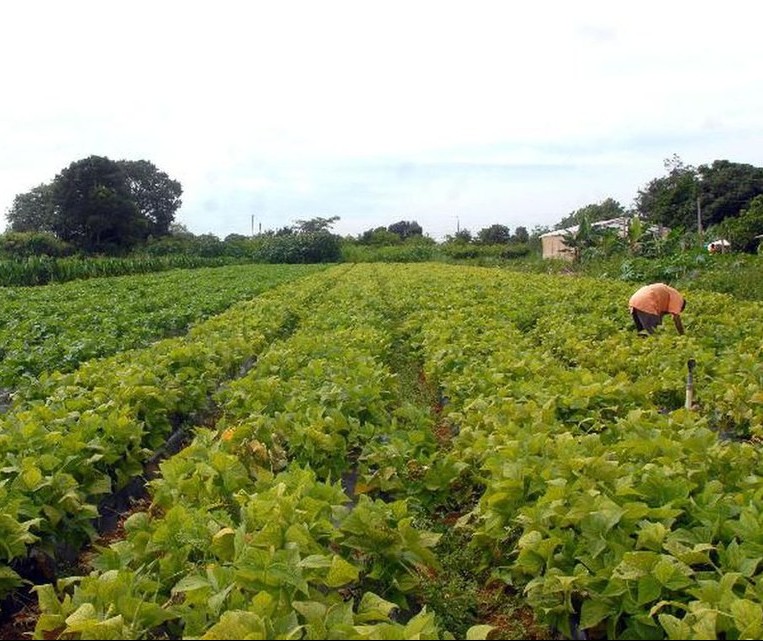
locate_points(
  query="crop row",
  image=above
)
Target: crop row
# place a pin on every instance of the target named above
(613, 507)
(562, 442)
(57, 327)
(73, 438)
(250, 531)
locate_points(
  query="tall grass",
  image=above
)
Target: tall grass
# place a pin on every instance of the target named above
(40, 270)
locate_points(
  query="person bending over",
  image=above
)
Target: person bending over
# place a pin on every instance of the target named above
(650, 303)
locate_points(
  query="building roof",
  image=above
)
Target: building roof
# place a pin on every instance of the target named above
(612, 223)
(621, 222)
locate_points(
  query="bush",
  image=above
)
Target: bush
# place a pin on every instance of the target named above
(32, 243)
(515, 250)
(409, 252)
(743, 231)
(305, 247)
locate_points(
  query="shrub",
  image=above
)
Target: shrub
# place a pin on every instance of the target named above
(32, 243)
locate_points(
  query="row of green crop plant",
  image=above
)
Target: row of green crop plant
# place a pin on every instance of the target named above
(587, 325)
(59, 326)
(349, 390)
(41, 270)
(323, 393)
(249, 529)
(424, 250)
(535, 424)
(72, 438)
(614, 508)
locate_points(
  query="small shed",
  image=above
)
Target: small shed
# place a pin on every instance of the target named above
(553, 245)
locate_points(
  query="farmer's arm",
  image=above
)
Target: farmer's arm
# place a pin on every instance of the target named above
(679, 324)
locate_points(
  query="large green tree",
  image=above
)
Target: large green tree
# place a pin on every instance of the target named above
(461, 237)
(312, 225)
(494, 235)
(32, 211)
(95, 210)
(100, 205)
(726, 188)
(746, 230)
(379, 236)
(155, 194)
(670, 200)
(605, 210)
(521, 235)
(406, 229)
(688, 196)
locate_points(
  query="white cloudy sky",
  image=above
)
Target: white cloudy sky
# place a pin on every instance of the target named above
(466, 113)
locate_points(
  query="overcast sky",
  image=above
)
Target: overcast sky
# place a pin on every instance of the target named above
(451, 114)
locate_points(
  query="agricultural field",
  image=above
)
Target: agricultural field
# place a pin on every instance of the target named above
(58, 326)
(397, 451)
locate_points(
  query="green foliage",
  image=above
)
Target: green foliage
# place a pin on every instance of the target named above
(206, 245)
(494, 235)
(459, 250)
(58, 327)
(583, 239)
(94, 207)
(411, 251)
(317, 224)
(521, 236)
(42, 270)
(744, 232)
(462, 237)
(32, 211)
(558, 445)
(740, 275)
(667, 270)
(379, 237)
(32, 243)
(605, 210)
(304, 247)
(155, 194)
(296, 248)
(462, 594)
(100, 423)
(721, 191)
(727, 188)
(670, 200)
(100, 206)
(406, 229)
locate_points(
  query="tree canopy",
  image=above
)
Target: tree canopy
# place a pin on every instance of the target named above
(100, 205)
(379, 236)
(726, 188)
(406, 229)
(521, 235)
(462, 236)
(32, 211)
(94, 207)
(714, 192)
(494, 235)
(605, 210)
(316, 224)
(746, 230)
(155, 194)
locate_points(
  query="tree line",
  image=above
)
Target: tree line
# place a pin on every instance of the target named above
(719, 200)
(100, 206)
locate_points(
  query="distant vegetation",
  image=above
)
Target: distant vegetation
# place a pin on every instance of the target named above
(100, 217)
